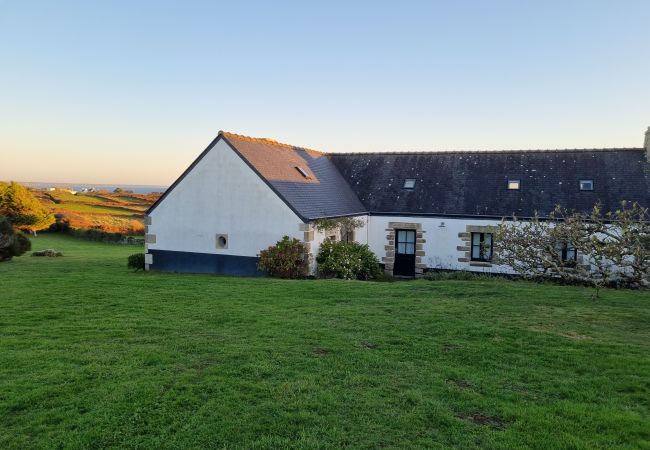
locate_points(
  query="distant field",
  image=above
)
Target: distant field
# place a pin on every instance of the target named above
(95, 356)
(107, 211)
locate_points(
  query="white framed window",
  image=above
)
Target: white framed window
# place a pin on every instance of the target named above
(586, 185)
(409, 183)
(481, 246)
(514, 185)
(566, 251)
(302, 172)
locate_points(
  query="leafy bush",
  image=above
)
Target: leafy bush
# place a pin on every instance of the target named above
(12, 242)
(136, 261)
(94, 234)
(347, 260)
(50, 252)
(22, 243)
(22, 209)
(288, 258)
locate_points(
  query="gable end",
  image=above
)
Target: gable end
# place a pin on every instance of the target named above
(219, 137)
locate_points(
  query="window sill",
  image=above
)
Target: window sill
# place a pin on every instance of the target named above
(480, 263)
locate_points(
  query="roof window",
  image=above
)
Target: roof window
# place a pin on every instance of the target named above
(586, 185)
(409, 183)
(514, 185)
(302, 171)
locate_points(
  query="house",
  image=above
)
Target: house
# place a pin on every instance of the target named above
(420, 211)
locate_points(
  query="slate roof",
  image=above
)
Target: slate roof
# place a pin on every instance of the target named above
(324, 193)
(447, 183)
(475, 183)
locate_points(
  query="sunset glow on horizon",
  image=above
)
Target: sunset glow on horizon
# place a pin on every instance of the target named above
(131, 93)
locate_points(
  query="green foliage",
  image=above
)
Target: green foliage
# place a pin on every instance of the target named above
(340, 223)
(94, 234)
(12, 242)
(288, 258)
(347, 260)
(136, 261)
(23, 244)
(97, 235)
(24, 210)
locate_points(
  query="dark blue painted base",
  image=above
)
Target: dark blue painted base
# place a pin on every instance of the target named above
(170, 261)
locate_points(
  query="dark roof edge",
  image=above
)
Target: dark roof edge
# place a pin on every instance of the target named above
(447, 216)
(466, 152)
(433, 215)
(508, 217)
(336, 216)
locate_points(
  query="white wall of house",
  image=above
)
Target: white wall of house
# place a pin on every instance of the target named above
(441, 246)
(442, 242)
(221, 195)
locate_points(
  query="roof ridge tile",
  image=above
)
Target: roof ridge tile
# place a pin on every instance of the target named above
(465, 152)
(268, 141)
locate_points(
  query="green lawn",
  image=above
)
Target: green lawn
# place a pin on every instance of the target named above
(99, 209)
(94, 356)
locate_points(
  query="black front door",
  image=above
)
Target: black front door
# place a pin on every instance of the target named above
(404, 253)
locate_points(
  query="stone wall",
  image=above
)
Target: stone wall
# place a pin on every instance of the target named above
(389, 259)
(465, 246)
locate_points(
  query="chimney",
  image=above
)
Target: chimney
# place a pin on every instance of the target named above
(646, 144)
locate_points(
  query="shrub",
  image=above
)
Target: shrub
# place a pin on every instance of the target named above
(288, 258)
(347, 260)
(136, 261)
(95, 234)
(22, 243)
(12, 242)
(22, 209)
(50, 252)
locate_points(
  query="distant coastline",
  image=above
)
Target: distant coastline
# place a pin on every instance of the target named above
(136, 188)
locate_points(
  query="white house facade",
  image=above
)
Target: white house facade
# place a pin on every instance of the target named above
(420, 211)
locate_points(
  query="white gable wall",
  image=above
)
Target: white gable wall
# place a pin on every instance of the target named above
(221, 195)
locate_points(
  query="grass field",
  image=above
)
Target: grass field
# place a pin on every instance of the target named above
(94, 356)
(106, 211)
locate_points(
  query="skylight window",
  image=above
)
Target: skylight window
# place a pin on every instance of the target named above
(514, 185)
(302, 171)
(586, 185)
(409, 183)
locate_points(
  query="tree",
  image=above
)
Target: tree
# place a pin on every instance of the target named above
(12, 243)
(614, 247)
(22, 209)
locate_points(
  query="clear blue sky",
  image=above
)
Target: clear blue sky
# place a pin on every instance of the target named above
(132, 91)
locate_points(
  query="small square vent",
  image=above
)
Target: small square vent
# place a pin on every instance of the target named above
(222, 241)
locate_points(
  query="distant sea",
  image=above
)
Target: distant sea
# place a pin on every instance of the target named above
(137, 188)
